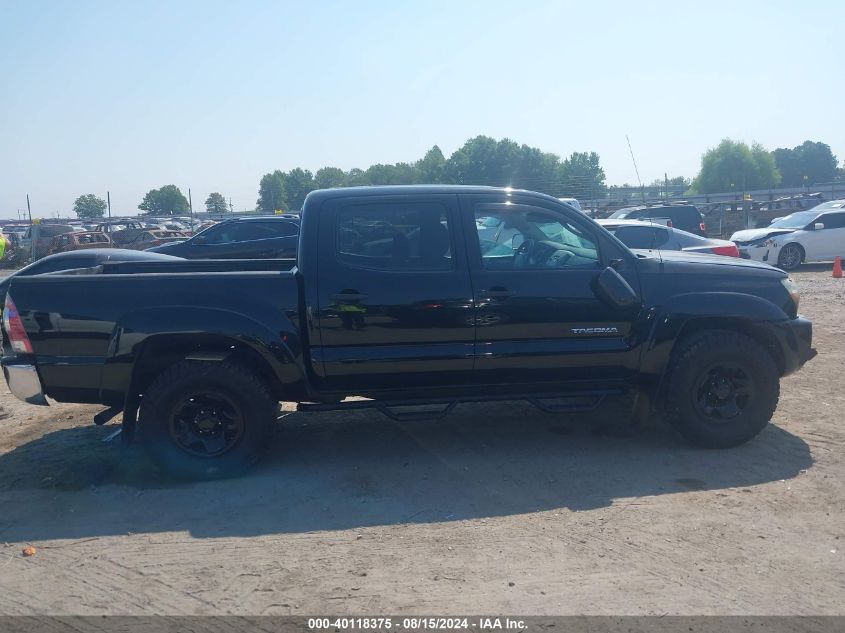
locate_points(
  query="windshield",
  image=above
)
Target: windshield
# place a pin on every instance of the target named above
(795, 220)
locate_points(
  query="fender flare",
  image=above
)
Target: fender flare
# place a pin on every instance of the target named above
(273, 336)
(670, 320)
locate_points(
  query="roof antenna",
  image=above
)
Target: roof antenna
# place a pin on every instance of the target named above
(636, 171)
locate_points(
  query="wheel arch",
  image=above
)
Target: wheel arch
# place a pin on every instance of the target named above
(686, 315)
(139, 350)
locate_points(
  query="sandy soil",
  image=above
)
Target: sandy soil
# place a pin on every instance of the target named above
(497, 508)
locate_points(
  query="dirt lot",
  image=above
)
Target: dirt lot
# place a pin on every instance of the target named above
(498, 508)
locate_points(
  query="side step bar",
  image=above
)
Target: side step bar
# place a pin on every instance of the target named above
(546, 402)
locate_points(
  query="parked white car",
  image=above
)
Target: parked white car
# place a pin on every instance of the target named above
(816, 235)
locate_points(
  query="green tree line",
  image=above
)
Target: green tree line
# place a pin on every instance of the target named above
(730, 166)
(480, 161)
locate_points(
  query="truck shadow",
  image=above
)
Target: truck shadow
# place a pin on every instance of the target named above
(340, 471)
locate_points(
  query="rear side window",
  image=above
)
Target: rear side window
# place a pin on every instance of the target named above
(642, 236)
(382, 236)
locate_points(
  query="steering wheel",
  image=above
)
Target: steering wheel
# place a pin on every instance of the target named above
(522, 256)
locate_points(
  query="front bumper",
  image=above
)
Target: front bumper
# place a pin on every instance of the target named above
(796, 341)
(23, 381)
(760, 253)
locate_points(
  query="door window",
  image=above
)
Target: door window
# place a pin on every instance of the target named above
(525, 238)
(833, 221)
(407, 237)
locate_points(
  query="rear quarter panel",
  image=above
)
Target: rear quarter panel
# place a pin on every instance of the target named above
(88, 330)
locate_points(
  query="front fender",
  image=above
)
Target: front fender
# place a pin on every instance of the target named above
(721, 309)
(269, 333)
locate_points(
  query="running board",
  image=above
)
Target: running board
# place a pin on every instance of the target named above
(546, 402)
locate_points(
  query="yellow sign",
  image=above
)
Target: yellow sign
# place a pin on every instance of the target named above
(279, 212)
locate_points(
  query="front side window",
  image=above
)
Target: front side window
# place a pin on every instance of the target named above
(833, 220)
(412, 236)
(527, 238)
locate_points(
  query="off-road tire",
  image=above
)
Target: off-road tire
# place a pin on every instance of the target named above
(790, 263)
(692, 361)
(241, 386)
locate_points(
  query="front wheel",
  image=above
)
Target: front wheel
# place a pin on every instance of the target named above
(206, 420)
(722, 389)
(790, 257)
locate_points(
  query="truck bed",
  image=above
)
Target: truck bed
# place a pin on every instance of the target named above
(87, 326)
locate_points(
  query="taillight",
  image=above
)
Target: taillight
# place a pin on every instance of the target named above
(729, 251)
(702, 227)
(14, 328)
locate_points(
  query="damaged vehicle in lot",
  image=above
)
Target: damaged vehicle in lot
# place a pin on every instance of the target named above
(398, 296)
(817, 235)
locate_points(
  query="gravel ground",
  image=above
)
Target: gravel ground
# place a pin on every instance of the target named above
(497, 508)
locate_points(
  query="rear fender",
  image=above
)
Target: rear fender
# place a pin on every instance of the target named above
(200, 333)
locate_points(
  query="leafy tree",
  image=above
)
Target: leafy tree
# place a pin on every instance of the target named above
(216, 203)
(356, 178)
(484, 161)
(808, 163)
(298, 184)
(165, 201)
(733, 165)
(329, 178)
(430, 167)
(271, 193)
(581, 176)
(537, 170)
(89, 206)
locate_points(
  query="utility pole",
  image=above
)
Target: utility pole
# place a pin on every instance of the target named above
(31, 230)
(231, 209)
(666, 185)
(191, 207)
(108, 203)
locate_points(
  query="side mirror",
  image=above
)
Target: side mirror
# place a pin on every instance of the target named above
(200, 239)
(609, 286)
(818, 226)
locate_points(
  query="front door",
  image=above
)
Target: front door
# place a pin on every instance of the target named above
(829, 241)
(538, 318)
(395, 302)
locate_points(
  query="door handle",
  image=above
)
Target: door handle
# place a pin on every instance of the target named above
(497, 293)
(349, 296)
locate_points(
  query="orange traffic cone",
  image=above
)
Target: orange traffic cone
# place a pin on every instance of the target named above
(837, 267)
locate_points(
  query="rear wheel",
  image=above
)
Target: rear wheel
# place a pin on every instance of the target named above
(790, 257)
(722, 389)
(206, 420)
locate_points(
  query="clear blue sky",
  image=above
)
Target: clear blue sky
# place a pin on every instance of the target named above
(130, 95)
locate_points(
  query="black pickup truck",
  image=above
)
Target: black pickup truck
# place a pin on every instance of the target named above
(409, 296)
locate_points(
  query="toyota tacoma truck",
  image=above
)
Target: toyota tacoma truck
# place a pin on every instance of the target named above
(413, 299)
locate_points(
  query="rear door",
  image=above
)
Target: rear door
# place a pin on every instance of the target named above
(538, 319)
(395, 305)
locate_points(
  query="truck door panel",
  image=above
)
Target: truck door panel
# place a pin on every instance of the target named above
(538, 319)
(395, 301)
